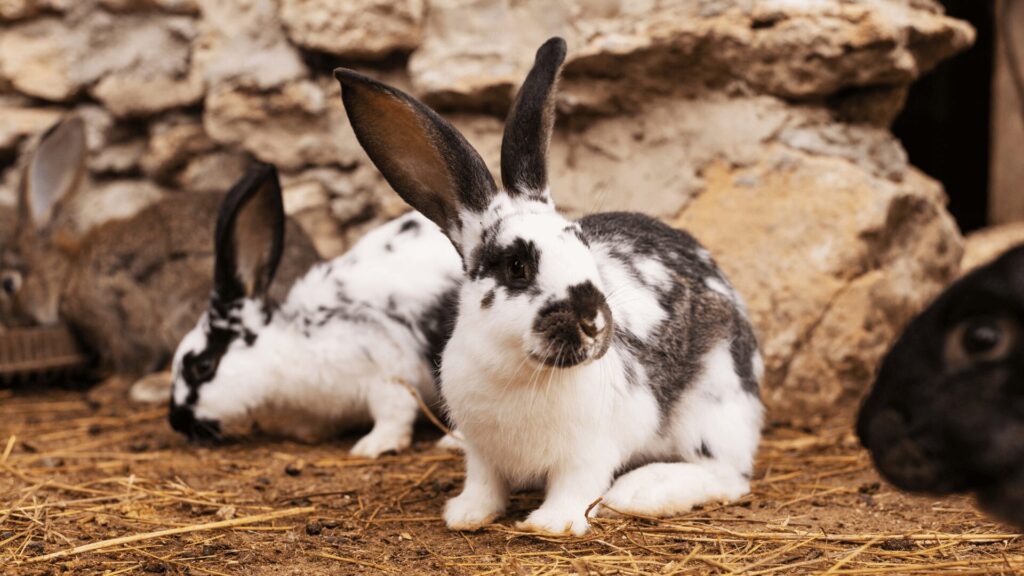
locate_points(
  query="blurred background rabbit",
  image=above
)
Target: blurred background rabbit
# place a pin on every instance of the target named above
(131, 287)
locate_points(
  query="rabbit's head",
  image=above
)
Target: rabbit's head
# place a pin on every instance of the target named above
(946, 413)
(532, 283)
(33, 265)
(249, 241)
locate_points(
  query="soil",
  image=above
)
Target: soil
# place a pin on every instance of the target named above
(87, 467)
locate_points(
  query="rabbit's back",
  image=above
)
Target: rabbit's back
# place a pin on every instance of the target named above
(670, 302)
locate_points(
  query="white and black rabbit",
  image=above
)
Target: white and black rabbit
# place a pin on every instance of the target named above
(611, 348)
(946, 413)
(339, 352)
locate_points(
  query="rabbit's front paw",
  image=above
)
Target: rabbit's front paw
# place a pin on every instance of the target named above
(464, 512)
(555, 520)
(379, 441)
(450, 443)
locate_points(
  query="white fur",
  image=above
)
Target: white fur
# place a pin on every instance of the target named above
(570, 429)
(307, 380)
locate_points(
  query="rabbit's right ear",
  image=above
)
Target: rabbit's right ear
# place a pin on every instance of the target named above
(54, 173)
(423, 157)
(250, 236)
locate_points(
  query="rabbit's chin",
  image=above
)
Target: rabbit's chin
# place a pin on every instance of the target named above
(568, 358)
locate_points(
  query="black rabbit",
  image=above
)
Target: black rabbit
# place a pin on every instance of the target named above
(946, 414)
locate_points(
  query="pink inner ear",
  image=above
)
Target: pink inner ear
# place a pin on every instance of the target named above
(55, 170)
(253, 239)
(404, 149)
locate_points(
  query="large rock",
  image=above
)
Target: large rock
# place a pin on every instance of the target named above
(137, 64)
(242, 42)
(354, 28)
(38, 59)
(300, 124)
(653, 160)
(984, 246)
(141, 64)
(476, 51)
(832, 261)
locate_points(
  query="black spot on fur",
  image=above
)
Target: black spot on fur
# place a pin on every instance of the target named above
(487, 300)
(409, 226)
(705, 450)
(388, 247)
(437, 324)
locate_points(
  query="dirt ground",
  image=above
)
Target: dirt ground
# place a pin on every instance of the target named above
(88, 468)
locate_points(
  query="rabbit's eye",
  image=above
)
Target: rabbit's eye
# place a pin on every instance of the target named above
(201, 368)
(11, 282)
(516, 271)
(982, 339)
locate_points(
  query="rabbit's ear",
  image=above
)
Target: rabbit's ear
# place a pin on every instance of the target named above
(424, 158)
(524, 146)
(54, 173)
(250, 236)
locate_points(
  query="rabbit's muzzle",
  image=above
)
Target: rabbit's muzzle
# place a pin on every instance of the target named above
(183, 419)
(913, 460)
(573, 330)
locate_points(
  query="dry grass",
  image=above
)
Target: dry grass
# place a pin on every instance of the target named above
(92, 485)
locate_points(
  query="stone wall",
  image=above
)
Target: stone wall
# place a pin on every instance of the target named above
(760, 125)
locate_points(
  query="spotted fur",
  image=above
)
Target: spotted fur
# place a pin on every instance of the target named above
(608, 356)
(338, 353)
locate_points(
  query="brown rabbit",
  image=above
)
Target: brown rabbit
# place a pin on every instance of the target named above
(130, 288)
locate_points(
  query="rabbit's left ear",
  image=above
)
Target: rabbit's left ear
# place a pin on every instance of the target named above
(424, 158)
(54, 173)
(249, 238)
(524, 146)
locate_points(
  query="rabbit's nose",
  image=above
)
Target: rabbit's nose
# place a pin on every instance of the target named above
(589, 326)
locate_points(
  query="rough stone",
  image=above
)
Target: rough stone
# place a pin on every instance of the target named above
(141, 64)
(212, 172)
(172, 143)
(475, 52)
(136, 64)
(242, 42)
(336, 208)
(984, 246)
(355, 28)
(19, 9)
(299, 124)
(174, 6)
(37, 57)
(22, 120)
(852, 258)
(620, 52)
